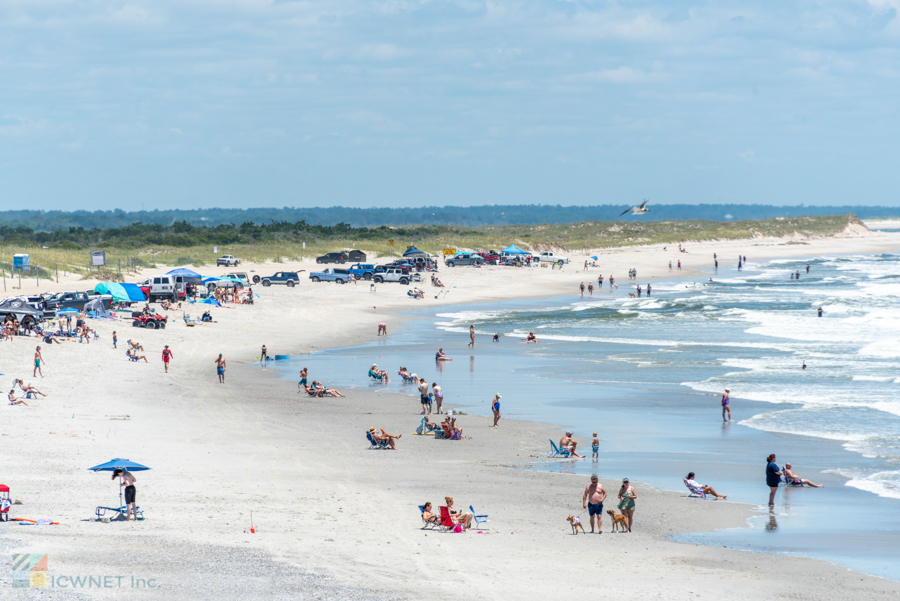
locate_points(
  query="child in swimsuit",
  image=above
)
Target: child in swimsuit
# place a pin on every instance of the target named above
(595, 446)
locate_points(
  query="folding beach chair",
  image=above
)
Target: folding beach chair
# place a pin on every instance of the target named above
(119, 511)
(375, 444)
(407, 379)
(480, 520)
(696, 491)
(435, 524)
(557, 452)
(447, 523)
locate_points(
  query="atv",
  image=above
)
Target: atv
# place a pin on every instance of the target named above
(151, 322)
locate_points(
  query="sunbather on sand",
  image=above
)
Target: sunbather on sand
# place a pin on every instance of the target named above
(390, 438)
(706, 489)
(566, 442)
(794, 479)
(460, 517)
(327, 391)
(136, 345)
(133, 354)
(440, 356)
(13, 400)
(428, 515)
(28, 388)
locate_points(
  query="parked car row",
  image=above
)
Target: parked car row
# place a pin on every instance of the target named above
(401, 274)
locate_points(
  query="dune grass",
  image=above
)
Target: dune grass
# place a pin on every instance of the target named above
(566, 238)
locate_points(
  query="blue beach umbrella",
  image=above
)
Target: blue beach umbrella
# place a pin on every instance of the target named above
(119, 464)
(594, 258)
(211, 301)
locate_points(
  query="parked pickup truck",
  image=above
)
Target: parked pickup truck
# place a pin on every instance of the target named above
(289, 278)
(549, 257)
(362, 271)
(341, 276)
(74, 300)
(464, 259)
(227, 261)
(395, 274)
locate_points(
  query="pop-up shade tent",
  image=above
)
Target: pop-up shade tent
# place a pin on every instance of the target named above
(512, 249)
(413, 251)
(121, 293)
(185, 273)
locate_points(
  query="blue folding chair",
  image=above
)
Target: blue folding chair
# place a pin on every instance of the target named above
(791, 483)
(435, 524)
(480, 520)
(557, 452)
(375, 444)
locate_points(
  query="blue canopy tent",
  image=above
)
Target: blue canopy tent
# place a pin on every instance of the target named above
(512, 249)
(413, 251)
(121, 293)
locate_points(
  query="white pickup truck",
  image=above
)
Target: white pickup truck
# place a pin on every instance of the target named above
(227, 261)
(549, 257)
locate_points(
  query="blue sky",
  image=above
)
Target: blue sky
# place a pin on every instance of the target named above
(200, 103)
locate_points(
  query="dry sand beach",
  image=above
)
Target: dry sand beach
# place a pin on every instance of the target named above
(333, 519)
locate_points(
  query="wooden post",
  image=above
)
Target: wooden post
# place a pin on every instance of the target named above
(57, 273)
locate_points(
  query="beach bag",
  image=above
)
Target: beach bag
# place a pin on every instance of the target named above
(457, 528)
(454, 436)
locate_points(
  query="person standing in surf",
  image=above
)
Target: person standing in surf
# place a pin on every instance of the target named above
(471, 336)
(726, 405)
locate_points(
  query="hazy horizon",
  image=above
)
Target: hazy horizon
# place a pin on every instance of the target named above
(260, 103)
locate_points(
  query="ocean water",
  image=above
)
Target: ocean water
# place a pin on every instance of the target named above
(647, 375)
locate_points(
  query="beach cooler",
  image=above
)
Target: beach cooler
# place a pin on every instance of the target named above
(5, 503)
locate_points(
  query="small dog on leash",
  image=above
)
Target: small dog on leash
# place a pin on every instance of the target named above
(618, 520)
(575, 522)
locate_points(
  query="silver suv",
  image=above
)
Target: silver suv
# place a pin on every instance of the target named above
(395, 275)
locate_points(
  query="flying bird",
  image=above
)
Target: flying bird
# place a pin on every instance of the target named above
(638, 210)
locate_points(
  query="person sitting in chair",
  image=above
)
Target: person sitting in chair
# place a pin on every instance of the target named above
(206, 317)
(794, 480)
(13, 400)
(29, 390)
(428, 515)
(384, 436)
(693, 485)
(132, 354)
(378, 374)
(566, 442)
(135, 345)
(460, 517)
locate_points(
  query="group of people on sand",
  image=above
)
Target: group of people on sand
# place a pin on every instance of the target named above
(317, 389)
(30, 393)
(461, 517)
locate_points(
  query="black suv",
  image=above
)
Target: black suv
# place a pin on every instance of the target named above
(340, 257)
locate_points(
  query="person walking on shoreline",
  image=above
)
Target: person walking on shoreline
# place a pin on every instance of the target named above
(423, 395)
(582, 289)
(166, 357)
(626, 501)
(648, 290)
(37, 363)
(773, 478)
(301, 385)
(471, 336)
(495, 407)
(220, 368)
(592, 500)
(438, 396)
(726, 405)
(264, 356)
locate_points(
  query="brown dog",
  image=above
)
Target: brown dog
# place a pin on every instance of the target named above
(576, 524)
(617, 520)
(632, 294)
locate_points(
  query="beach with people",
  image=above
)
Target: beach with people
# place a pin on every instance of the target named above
(326, 506)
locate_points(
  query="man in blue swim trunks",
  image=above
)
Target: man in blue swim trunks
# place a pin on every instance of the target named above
(220, 368)
(592, 500)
